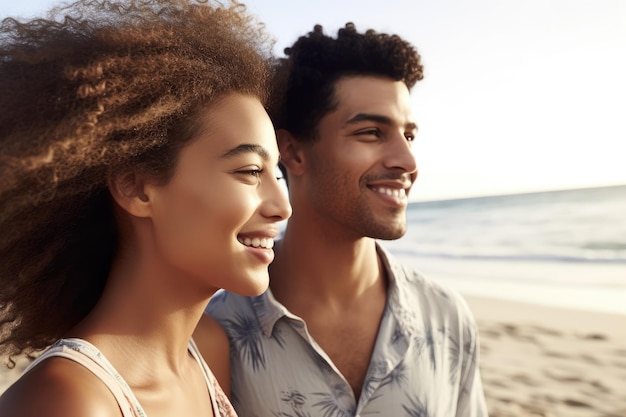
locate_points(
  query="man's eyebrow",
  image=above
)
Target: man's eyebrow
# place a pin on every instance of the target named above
(247, 148)
(366, 117)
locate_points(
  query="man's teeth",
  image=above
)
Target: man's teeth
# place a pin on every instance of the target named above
(267, 243)
(394, 192)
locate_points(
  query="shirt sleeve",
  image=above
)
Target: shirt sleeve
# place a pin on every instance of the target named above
(471, 394)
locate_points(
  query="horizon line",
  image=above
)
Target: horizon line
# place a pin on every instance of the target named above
(506, 194)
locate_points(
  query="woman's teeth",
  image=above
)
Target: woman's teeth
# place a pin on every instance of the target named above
(267, 243)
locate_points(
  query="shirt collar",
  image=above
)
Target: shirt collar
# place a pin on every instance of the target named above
(268, 310)
(399, 301)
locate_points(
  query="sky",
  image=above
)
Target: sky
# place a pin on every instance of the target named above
(518, 96)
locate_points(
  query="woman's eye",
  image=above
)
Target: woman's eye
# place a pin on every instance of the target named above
(409, 137)
(252, 172)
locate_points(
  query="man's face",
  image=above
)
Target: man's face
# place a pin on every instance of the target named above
(360, 170)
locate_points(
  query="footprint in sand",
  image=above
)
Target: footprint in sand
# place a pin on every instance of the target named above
(600, 386)
(553, 354)
(590, 359)
(592, 336)
(524, 379)
(521, 333)
(562, 376)
(575, 403)
(496, 383)
(490, 334)
(545, 331)
(619, 364)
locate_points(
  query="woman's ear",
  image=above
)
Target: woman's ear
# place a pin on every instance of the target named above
(291, 152)
(128, 191)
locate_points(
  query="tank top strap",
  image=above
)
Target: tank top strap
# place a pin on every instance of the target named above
(87, 355)
(219, 401)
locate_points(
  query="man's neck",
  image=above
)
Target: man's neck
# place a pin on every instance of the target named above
(314, 268)
(338, 286)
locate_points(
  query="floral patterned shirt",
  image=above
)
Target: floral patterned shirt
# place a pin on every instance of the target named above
(424, 363)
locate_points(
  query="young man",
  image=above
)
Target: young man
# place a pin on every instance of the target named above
(344, 329)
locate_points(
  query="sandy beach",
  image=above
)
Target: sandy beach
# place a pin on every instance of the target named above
(541, 361)
(544, 361)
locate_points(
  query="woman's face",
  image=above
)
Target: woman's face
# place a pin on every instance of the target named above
(215, 220)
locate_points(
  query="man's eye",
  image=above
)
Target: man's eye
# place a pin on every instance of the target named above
(370, 132)
(409, 137)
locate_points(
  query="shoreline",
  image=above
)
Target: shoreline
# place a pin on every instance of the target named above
(593, 287)
(579, 321)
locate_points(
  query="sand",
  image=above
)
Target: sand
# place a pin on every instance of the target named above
(541, 361)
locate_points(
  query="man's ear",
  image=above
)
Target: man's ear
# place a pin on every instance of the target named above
(128, 191)
(291, 152)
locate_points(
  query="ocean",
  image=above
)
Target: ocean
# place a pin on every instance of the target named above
(559, 248)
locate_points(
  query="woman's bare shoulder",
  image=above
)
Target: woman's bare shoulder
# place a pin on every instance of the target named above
(58, 387)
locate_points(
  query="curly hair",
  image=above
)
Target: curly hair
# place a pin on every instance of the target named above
(303, 82)
(99, 87)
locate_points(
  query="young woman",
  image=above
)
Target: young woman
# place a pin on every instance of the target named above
(136, 179)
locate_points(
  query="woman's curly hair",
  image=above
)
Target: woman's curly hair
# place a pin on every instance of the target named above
(303, 82)
(95, 88)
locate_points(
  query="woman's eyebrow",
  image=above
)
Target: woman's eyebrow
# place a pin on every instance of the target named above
(247, 148)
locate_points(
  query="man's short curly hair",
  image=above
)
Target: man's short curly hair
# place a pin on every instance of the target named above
(99, 87)
(303, 82)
